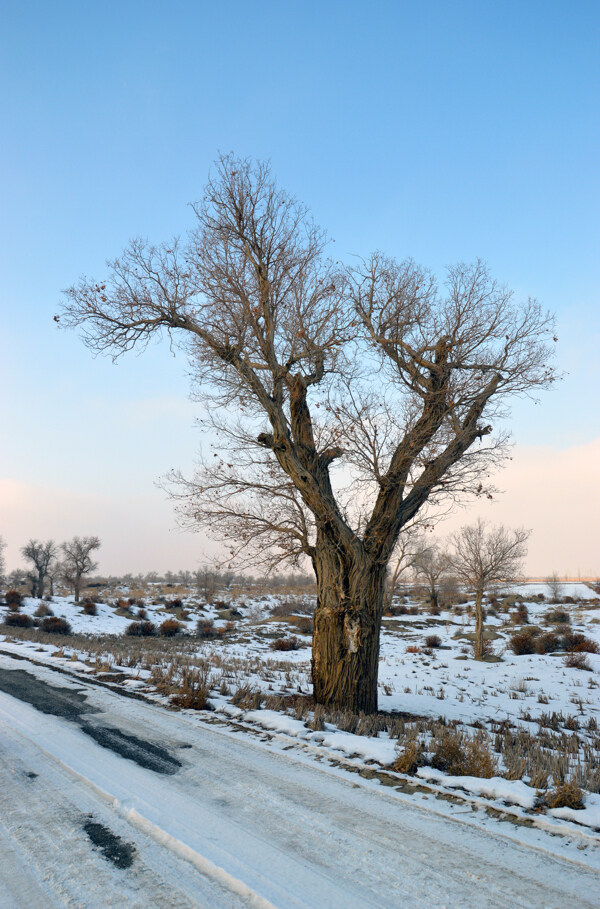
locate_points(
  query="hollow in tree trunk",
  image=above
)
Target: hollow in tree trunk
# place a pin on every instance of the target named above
(345, 661)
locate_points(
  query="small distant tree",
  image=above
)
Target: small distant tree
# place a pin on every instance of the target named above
(54, 573)
(482, 557)
(430, 564)
(401, 561)
(2, 562)
(206, 582)
(555, 587)
(77, 560)
(41, 556)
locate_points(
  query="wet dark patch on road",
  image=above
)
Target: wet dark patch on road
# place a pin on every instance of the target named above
(110, 845)
(64, 702)
(72, 705)
(147, 755)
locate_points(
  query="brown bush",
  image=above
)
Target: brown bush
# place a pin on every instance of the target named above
(565, 795)
(141, 629)
(463, 757)
(18, 620)
(13, 598)
(205, 628)
(577, 661)
(169, 628)
(557, 617)
(398, 609)
(43, 610)
(247, 698)
(90, 608)
(305, 625)
(547, 643)
(521, 615)
(578, 643)
(433, 640)
(522, 643)
(55, 625)
(409, 759)
(194, 691)
(291, 643)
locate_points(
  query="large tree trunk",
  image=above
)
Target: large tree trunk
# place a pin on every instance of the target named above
(346, 630)
(40, 585)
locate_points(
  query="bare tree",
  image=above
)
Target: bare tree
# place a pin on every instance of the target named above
(346, 399)
(555, 587)
(430, 564)
(41, 556)
(401, 561)
(77, 560)
(482, 557)
(54, 573)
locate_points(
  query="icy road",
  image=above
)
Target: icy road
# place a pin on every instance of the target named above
(109, 801)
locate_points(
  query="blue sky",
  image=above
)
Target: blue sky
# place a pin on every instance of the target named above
(442, 131)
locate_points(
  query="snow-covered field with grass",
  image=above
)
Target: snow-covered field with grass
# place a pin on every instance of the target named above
(495, 738)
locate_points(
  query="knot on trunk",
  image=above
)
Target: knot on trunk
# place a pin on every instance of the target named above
(352, 632)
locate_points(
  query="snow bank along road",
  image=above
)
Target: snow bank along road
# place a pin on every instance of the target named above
(108, 801)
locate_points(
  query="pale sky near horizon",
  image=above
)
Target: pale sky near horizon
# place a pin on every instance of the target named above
(444, 131)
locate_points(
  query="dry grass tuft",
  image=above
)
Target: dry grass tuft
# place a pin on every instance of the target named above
(566, 795)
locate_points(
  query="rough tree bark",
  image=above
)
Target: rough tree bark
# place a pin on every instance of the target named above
(347, 621)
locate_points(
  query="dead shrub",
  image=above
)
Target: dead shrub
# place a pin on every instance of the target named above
(169, 628)
(577, 661)
(566, 795)
(304, 625)
(141, 629)
(409, 759)
(547, 643)
(247, 698)
(42, 611)
(522, 614)
(460, 756)
(578, 643)
(522, 643)
(412, 648)
(13, 599)
(55, 625)
(205, 628)
(290, 643)
(318, 720)
(194, 690)
(397, 609)
(90, 608)
(18, 620)
(433, 640)
(557, 617)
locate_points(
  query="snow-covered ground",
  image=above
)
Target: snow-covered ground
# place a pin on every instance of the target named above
(534, 699)
(231, 818)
